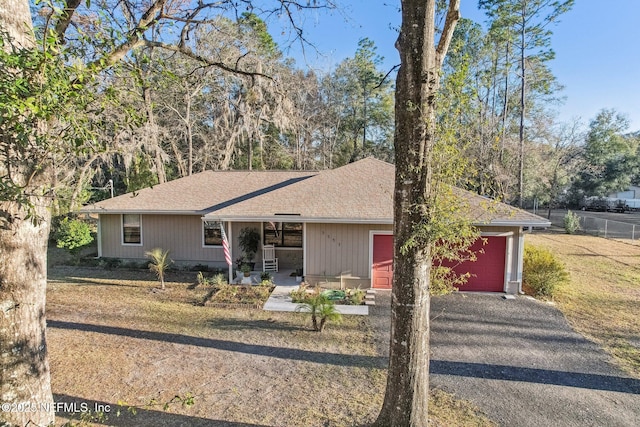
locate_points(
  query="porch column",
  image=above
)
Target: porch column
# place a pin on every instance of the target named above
(520, 260)
(304, 248)
(230, 238)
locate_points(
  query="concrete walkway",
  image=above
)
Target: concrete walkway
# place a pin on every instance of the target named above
(281, 301)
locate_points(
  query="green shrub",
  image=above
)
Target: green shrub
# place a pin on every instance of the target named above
(542, 271)
(109, 263)
(72, 235)
(321, 309)
(355, 296)
(134, 265)
(201, 279)
(300, 295)
(218, 280)
(334, 294)
(198, 268)
(571, 223)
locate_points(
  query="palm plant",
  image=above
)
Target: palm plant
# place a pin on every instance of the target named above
(159, 263)
(320, 307)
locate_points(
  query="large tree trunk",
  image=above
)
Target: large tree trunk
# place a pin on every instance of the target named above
(407, 391)
(24, 370)
(15, 19)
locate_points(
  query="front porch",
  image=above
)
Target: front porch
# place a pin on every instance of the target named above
(284, 278)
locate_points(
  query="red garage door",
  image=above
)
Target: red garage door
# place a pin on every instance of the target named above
(487, 272)
(382, 268)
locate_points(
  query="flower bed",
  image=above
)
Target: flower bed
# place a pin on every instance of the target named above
(354, 296)
(239, 294)
(223, 294)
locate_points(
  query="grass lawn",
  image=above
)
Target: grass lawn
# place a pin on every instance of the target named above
(114, 337)
(602, 298)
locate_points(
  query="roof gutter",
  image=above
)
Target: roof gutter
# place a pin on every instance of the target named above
(542, 224)
(297, 218)
(104, 211)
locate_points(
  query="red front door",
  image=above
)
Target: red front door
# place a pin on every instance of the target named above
(382, 268)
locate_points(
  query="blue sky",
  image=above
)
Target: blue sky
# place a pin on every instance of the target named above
(597, 47)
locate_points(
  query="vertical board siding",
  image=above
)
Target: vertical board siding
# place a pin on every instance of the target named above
(332, 249)
(339, 249)
(180, 234)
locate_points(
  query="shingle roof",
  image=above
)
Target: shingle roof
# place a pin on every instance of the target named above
(358, 192)
(488, 211)
(201, 192)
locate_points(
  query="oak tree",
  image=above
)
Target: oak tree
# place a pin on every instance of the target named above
(43, 87)
(415, 219)
(610, 155)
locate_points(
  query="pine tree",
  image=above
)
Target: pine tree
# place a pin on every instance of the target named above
(525, 23)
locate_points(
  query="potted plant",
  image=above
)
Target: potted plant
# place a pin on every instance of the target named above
(249, 241)
(239, 263)
(246, 270)
(265, 277)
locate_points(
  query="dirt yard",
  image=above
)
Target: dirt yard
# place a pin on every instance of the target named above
(116, 340)
(602, 298)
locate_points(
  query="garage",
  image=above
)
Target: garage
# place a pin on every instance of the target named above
(488, 271)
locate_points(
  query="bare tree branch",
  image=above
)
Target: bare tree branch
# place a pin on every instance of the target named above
(65, 19)
(191, 54)
(134, 40)
(453, 15)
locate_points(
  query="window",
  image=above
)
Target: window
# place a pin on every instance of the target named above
(283, 234)
(212, 234)
(131, 229)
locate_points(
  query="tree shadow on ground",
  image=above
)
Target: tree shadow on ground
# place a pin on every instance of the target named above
(540, 376)
(335, 359)
(239, 325)
(99, 274)
(120, 416)
(89, 282)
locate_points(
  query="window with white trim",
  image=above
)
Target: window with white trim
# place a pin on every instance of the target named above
(283, 234)
(212, 234)
(131, 229)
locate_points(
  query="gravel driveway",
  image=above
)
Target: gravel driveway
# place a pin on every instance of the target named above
(522, 364)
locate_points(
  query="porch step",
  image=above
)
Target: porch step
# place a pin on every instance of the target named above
(370, 298)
